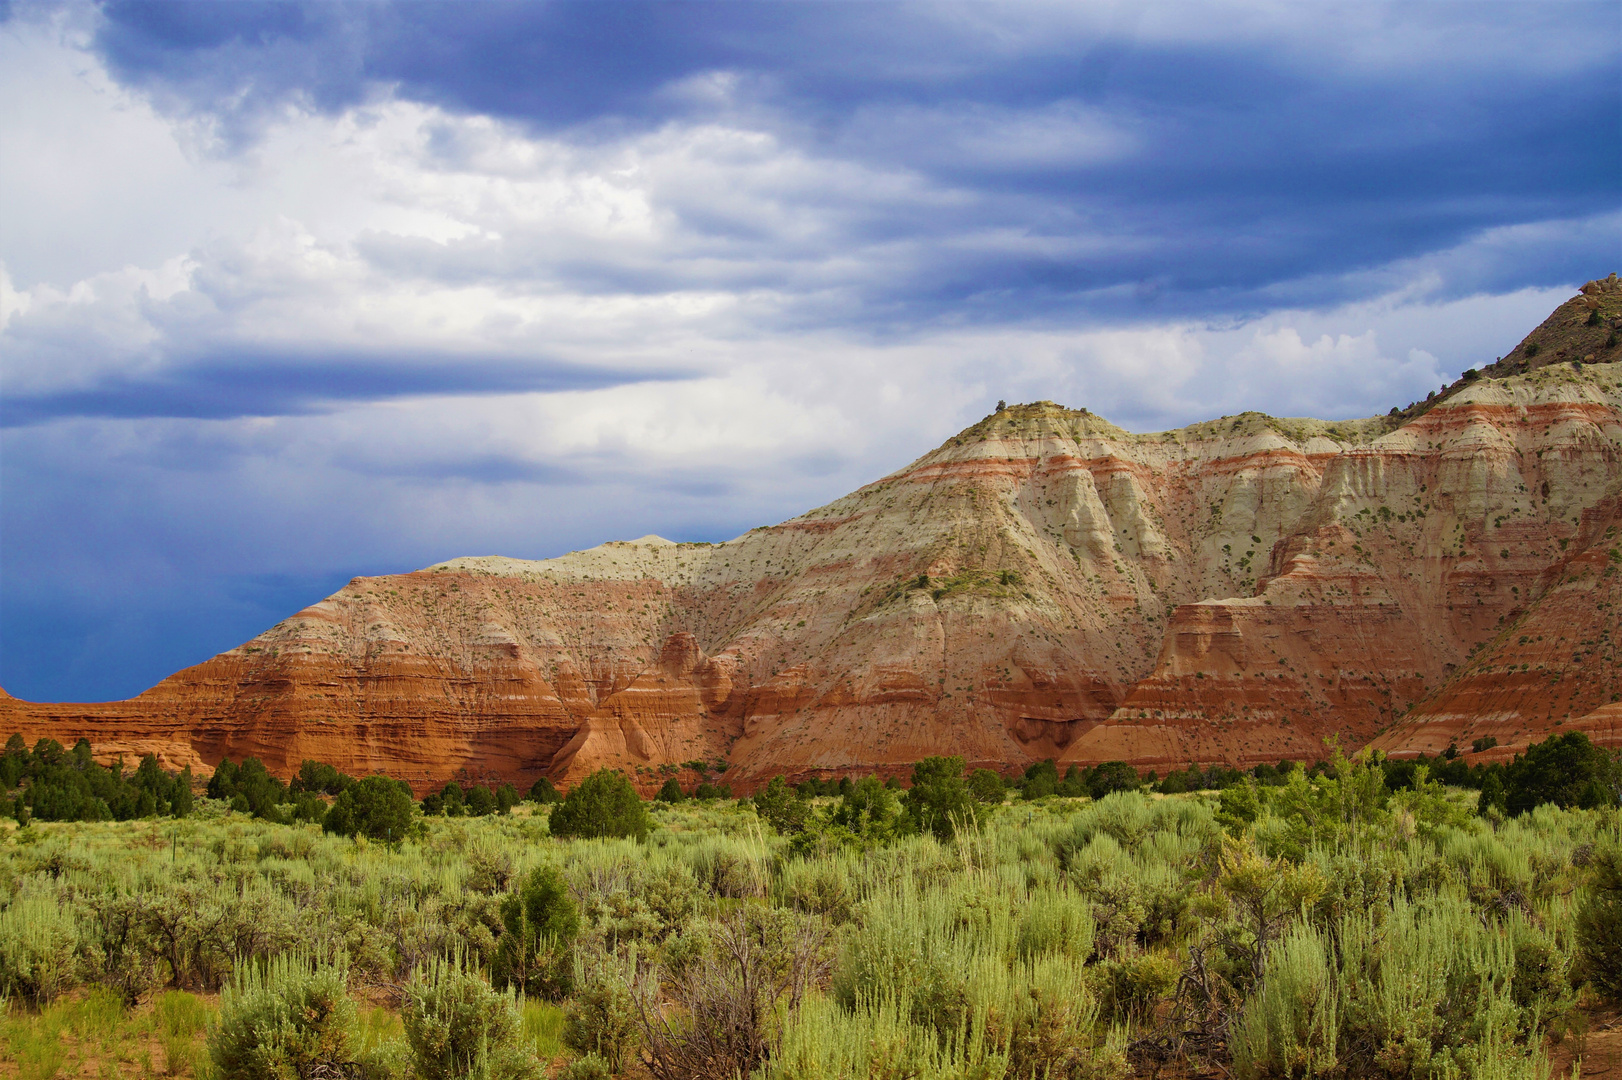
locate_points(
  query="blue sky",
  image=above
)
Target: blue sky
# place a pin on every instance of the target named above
(292, 292)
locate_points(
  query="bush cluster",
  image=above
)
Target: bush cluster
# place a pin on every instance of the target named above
(53, 784)
(251, 789)
(477, 800)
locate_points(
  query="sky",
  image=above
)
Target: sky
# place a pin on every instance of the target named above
(295, 292)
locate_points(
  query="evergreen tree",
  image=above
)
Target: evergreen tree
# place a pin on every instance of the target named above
(1567, 770)
(783, 808)
(603, 804)
(377, 807)
(939, 799)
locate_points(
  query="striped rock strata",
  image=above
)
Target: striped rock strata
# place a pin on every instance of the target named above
(1044, 584)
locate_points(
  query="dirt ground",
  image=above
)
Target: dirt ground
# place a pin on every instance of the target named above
(1599, 1049)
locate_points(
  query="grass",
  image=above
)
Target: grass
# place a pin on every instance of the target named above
(180, 1018)
(92, 1034)
(1341, 932)
(543, 1028)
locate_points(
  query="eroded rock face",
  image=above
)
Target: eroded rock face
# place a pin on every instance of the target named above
(1042, 585)
(1553, 665)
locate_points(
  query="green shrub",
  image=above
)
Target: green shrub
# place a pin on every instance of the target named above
(1238, 806)
(69, 786)
(481, 801)
(870, 811)
(939, 800)
(448, 800)
(539, 924)
(544, 792)
(1110, 777)
(249, 788)
(781, 807)
(376, 807)
(321, 779)
(457, 1026)
(1290, 1025)
(1041, 780)
(602, 1019)
(1599, 923)
(671, 792)
(1567, 770)
(603, 804)
(309, 807)
(281, 1019)
(39, 940)
(987, 788)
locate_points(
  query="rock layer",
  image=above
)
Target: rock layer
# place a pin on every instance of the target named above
(1044, 584)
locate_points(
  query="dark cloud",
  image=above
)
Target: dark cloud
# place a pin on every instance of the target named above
(480, 469)
(1242, 164)
(238, 384)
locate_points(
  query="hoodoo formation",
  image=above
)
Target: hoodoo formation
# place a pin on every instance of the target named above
(1044, 584)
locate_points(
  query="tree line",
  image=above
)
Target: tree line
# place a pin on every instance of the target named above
(51, 783)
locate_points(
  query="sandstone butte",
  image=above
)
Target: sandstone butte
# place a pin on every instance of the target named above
(1044, 584)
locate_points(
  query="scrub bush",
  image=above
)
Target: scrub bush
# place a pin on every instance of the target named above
(1290, 1027)
(457, 1027)
(39, 949)
(602, 1019)
(279, 1019)
(728, 997)
(1599, 923)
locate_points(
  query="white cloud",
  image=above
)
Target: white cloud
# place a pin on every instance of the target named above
(710, 249)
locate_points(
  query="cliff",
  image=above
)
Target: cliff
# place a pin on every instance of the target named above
(1043, 584)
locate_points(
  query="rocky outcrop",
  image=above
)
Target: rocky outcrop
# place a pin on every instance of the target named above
(1553, 665)
(1044, 584)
